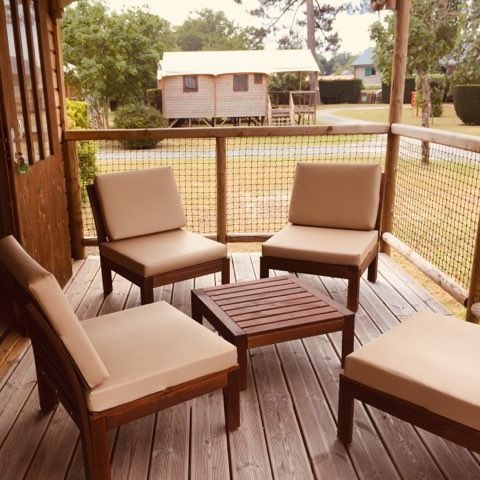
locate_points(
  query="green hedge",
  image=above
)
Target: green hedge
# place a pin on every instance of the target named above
(407, 96)
(154, 98)
(138, 116)
(438, 86)
(77, 114)
(340, 91)
(466, 100)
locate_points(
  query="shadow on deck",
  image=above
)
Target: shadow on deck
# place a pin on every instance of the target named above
(288, 428)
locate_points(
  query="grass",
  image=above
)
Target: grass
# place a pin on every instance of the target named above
(448, 122)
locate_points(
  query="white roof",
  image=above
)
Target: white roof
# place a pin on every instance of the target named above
(238, 61)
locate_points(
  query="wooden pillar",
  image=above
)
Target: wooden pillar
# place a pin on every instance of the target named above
(474, 290)
(400, 51)
(311, 43)
(74, 199)
(221, 149)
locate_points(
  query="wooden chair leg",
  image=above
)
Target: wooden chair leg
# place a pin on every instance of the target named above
(226, 272)
(353, 294)
(96, 451)
(373, 270)
(47, 396)
(232, 401)
(106, 279)
(345, 412)
(264, 270)
(146, 291)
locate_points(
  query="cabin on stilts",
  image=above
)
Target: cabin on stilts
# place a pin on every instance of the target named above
(219, 86)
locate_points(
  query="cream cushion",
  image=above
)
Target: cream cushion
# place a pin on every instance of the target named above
(322, 245)
(336, 195)
(150, 348)
(139, 202)
(163, 252)
(430, 360)
(47, 293)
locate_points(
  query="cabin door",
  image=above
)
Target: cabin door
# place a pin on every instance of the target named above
(32, 102)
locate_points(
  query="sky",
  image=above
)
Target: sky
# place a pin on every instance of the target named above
(353, 29)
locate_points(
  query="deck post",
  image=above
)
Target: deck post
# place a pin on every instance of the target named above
(221, 150)
(474, 290)
(400, 50)
(74, 199)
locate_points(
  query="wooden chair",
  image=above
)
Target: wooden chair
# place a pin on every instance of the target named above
(113, 369)
(139, 218)
(424, 371)
(334, 229)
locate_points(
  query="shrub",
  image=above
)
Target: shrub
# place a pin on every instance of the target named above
(466, 99)
(77, 118)
(340, 91)
(438, 85)
(407, 96)
(138, 116)
(154, 98)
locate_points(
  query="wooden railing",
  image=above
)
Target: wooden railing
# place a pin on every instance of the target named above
(464, 143)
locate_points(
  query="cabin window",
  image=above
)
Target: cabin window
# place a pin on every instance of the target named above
(370, 71)
(31, 132)
(190, 83)
(257, 79)
(240, 83)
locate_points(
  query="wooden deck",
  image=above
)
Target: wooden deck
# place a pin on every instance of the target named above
(288, 428)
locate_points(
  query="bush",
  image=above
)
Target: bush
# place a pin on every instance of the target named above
(77, 119)
(154, 98)
(340, 91)
(466, 99)
(438, 85)
(407, 96)
(138, 116)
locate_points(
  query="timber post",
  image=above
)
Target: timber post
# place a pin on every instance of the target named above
(74, 199)
(474, 290)
(221, 150)
(400, 51)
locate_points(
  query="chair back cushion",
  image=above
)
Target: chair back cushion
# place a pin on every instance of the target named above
(336, 195)
(139, 203)
(42, 287)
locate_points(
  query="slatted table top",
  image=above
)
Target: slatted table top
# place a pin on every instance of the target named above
(272, 304)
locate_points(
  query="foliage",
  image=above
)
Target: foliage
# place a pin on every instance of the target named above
(438, 86)
(337, 64)
(112, 56)
(285, 82)
(154, 98)
(410, 87)
(466, 99)
(341, 91)
(138, 116)
(210, 30)
(468, 52)
(77, 118)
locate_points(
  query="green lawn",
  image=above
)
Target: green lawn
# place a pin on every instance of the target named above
(449, 121)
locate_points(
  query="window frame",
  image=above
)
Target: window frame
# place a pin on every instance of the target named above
(258, 78)
(236, 78)
(187, 89)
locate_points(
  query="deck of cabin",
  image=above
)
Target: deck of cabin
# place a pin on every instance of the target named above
(288, 428)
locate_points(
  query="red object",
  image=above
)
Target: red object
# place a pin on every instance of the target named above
(413, 99)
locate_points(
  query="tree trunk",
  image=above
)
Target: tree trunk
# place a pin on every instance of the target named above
(105, 113)
(311, 43)
(426, 113)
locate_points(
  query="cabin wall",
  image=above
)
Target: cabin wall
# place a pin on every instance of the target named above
(179, 104)
(251, 103)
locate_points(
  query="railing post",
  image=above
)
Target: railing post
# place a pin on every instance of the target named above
(474, 290)
(400, 50)
(221, 150)
(74, 199)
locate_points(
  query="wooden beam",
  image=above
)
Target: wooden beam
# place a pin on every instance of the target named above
(474, 310)
(400, 51)
(474, 289)
(221, 149)
(430, 270)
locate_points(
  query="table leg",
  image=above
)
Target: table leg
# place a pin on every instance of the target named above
(196, 310)
(242, 353)
(348, 335)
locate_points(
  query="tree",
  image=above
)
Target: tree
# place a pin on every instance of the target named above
(210, 30)
(468, 52)
(112, 56)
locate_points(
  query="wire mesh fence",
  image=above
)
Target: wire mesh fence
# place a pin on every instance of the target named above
(438, 204)
(260, 173)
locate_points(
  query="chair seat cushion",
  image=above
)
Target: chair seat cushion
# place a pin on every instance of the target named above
(323, 245)
(430, 360)
(163, 252)
(149, 349)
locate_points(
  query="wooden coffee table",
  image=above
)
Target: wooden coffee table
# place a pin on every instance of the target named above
(272, 310)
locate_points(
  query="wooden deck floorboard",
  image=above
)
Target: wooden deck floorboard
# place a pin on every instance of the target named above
(288, 412)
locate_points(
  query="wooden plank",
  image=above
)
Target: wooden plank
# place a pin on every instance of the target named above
(277, 305)
(82, 281)
(244, 286)
(258, 296)
(263, 301)
(314, 306)
(250, 293)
